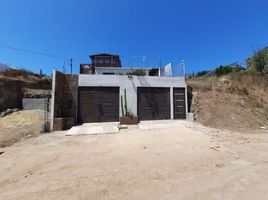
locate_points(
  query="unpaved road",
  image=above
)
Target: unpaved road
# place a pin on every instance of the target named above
(193, 162)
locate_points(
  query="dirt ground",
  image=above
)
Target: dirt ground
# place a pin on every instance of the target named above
(20, 125)
(192, 162)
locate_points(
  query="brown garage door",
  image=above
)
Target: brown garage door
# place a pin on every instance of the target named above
(98, 104)
(153, 103)
(179, 103)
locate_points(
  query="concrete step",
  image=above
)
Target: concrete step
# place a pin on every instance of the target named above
(160, 124)
(94, 129)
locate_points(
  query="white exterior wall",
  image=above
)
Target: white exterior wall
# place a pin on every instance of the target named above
(131, 85)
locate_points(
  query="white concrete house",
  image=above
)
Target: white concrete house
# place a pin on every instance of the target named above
(101, 98)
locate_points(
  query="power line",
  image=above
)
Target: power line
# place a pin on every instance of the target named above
(33, 52)
(39, 53)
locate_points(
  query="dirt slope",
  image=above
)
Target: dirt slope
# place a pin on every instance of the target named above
(238, 102)
(14, 82)
(19, 125)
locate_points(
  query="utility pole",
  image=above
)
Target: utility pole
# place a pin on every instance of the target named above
(63, 68)
(71, 64)
(160, 62)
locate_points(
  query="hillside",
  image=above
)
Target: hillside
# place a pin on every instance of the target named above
(235, 102)
(4, 67)
(13, 83)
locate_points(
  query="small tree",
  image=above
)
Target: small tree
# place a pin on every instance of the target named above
(259, 61)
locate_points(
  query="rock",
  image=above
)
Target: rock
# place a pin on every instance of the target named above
(28, 136)
(9, 111)
(213, 148)
(219, 165)
(216, 147)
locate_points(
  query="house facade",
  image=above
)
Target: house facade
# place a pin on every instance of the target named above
(103, 95)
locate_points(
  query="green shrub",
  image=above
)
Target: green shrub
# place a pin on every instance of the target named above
(137, 72)
(190, 75)
(259, 62)
(223, 70)
(198, 74)
(202, 73)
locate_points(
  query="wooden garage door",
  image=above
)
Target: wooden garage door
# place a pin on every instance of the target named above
(98, 104)
(179, 103)
(153, 103)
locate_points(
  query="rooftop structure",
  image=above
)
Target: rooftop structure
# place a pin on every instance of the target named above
(100, 60)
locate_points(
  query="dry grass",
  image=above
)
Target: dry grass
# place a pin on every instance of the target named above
(251, 81)
(18, 73)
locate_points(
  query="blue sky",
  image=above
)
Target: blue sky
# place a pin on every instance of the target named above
(204, 33)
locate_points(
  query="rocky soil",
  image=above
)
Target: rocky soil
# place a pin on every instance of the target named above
(238, 103)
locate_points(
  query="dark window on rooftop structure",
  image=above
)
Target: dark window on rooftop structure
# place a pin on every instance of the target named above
(101, 61)
(107, 61)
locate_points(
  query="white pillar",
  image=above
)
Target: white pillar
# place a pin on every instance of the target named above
(186, 100)
(52, 100)
(121, 93)
(171, 104)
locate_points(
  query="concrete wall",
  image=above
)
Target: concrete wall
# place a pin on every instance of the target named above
(64, 96)
(131, 84)
(71, 94)
(35, 103)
